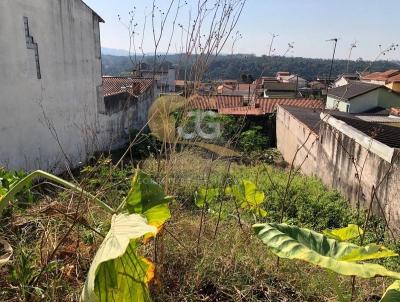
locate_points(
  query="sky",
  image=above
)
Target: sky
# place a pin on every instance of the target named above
(305, 23)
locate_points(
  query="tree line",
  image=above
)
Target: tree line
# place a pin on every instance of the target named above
(234, 66)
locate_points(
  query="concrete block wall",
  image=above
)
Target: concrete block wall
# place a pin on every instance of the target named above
(347, 164)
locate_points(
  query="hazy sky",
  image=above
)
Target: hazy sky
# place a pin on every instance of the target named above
(307, 23)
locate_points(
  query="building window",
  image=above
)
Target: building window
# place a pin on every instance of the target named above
(30, 44)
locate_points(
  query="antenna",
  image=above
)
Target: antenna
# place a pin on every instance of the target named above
(333, 58)
(352, 46)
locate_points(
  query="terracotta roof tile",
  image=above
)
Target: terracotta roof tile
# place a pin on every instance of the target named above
(117, 85)
(382, 76)
(236, 104)
(269, 105)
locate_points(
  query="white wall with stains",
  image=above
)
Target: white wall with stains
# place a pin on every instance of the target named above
(51, 121)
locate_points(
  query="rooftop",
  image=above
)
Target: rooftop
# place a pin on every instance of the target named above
(117, 85)
(352, 90)
(236, 105)
(388, 135)
(388, 76)
(310, 118)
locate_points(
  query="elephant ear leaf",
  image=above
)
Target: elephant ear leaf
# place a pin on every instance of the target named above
(206, 195)
(296, 243)
(352, 231)
(147, 197)
(249, 197)
(369, 252)
(392, 294)
(7, 252)
(117, 273)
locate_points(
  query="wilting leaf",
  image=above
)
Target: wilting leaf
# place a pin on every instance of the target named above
(206, 195)
(352, 231)
(147, 197)
(392, 293)
(117, 273)
(248, 196)
(7, 252)
(296, 243)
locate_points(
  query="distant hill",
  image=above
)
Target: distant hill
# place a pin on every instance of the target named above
(114, 52)
(232, 67)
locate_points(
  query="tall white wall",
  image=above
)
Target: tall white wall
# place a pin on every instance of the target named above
(50, 122)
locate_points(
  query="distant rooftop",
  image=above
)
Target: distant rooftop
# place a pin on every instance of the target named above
(238, 105)
(392, 75)
(133, 86)
(352, 90)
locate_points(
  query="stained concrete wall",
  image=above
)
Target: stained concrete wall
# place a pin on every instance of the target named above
(346, 160)
(53, 121)
(131, 113)
(354, 170)
(291, 134)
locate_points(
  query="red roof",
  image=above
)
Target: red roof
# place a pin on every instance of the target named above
(117, 85)
(269, 105)
(394, 79)
(383, 76)
(215, 102)
(235, 105)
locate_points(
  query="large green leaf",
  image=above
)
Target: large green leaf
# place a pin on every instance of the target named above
(147, 197)
(117, 273)
(392, 293)
(206, 195)
(249, 197)
(296, 243)
(352, 231)
(369, 252)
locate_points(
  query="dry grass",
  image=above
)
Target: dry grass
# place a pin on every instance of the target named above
(231, 266)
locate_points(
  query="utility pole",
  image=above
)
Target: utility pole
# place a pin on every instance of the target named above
(272, 42)
(333, 59)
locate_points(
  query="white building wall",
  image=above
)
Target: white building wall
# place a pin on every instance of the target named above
(335, 104)
(359, 104)
(51, 122)
(341, 82)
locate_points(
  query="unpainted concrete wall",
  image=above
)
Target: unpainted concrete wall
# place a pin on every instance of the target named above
(291, 134)
(50, 122)
(132, 113)
(343, 164)
(354, 170)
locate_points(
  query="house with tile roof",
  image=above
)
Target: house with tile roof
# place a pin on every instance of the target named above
(358, 97)
(389, 78)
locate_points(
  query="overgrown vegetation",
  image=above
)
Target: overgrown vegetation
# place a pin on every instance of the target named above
(207, 251)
